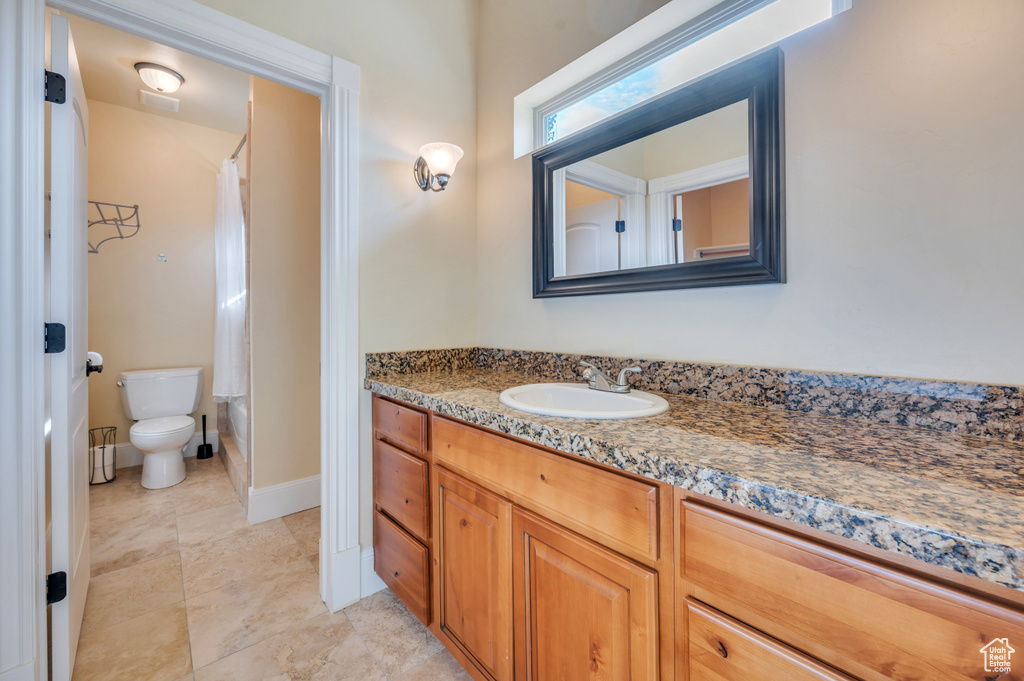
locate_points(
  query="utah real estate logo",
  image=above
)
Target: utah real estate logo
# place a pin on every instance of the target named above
(997, 656)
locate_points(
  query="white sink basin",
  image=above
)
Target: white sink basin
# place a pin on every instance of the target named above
(577, 400)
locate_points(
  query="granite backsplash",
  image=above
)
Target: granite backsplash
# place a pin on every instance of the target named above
(963, 408)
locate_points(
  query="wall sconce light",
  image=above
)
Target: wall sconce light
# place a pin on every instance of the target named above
(437, 161)
(159, 78)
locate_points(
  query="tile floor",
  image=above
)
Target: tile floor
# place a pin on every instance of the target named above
(183, 588)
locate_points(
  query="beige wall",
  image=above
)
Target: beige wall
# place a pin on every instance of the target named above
(144, 313)
(696, 216)
(904, 160)
(730, 213)
(577, 195)
(417, 250)
(284, 284)
(714, 137)
(715, 216)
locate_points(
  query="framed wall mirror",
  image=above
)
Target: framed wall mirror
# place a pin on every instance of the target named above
(685, 190)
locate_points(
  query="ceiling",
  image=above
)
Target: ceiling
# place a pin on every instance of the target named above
(213, 95)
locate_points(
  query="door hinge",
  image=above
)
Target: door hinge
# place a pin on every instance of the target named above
(55, 338)
(56, 587)
(55, 88)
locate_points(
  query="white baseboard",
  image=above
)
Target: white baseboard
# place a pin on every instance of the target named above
(267, 503)
(128, 455)
(339, 578)
(370, 583)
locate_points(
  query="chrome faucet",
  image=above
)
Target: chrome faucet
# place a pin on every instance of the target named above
(598, 380)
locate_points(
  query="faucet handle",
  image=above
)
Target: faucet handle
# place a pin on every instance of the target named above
(597, 379)
(623, 379)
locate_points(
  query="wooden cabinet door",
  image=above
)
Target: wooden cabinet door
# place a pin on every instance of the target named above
(582, 613)
(474, 542)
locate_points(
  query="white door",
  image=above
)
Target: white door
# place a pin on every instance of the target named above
(591, 242)
(69, 407)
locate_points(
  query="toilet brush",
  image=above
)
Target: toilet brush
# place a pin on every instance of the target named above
(205, 450)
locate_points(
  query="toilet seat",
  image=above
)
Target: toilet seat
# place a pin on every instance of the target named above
(161, 427)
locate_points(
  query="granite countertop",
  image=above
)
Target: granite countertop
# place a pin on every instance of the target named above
(951, 500)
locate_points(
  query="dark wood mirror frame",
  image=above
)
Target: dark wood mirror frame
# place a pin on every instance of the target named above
(759, 80)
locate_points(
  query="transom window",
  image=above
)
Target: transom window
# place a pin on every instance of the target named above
(729, 32)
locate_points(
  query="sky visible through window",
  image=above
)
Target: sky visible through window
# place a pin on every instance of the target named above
(618, 96)
(753, 32)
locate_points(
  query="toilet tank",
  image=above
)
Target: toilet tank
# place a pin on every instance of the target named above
(152, 393)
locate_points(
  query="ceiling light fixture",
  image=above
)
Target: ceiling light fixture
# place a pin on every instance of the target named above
(159, 78)
(437, 161)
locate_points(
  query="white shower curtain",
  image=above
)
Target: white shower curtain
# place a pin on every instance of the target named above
(230, 373)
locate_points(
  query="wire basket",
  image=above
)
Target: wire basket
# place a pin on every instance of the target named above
(101, 448)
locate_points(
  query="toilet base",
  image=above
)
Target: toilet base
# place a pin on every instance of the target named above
(163, 469)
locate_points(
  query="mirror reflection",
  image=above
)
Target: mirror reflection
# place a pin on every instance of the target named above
(678, 195)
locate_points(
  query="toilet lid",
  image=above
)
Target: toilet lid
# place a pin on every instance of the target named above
(164, 424)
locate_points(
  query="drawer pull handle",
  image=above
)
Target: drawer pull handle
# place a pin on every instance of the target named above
(463, 522)
(396, 575)
(722, 650)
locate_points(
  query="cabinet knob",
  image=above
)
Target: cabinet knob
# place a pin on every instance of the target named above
(396, 575)
(722, 650)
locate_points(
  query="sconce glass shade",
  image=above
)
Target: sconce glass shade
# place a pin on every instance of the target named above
(441, 157)
(159, 78)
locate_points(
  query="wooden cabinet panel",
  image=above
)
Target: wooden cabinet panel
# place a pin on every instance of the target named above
(400, 487)
(722, 649)
(582, 612)
(874, 622)
(403, 564)
(613, 509)
(473, 548)
(400, 425)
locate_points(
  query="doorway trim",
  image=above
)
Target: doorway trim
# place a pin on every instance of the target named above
(195, 28)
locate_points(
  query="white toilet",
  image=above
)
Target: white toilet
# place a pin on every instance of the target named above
(160, 401)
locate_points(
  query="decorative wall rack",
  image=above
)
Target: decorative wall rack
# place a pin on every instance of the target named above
(125, 219)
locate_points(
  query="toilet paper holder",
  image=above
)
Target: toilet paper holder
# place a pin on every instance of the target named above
(102, 455)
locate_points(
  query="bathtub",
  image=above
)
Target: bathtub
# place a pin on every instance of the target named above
(238, 426)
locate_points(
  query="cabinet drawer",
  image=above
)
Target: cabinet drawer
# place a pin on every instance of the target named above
(722, 649)
(400, 483)
(615, 510)
(872, 621)
(403, 564)
(400, 425)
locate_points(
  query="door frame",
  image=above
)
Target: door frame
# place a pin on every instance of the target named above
(632, 191)
(189, 26)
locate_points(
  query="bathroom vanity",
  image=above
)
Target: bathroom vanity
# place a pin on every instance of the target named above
(699, 544)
